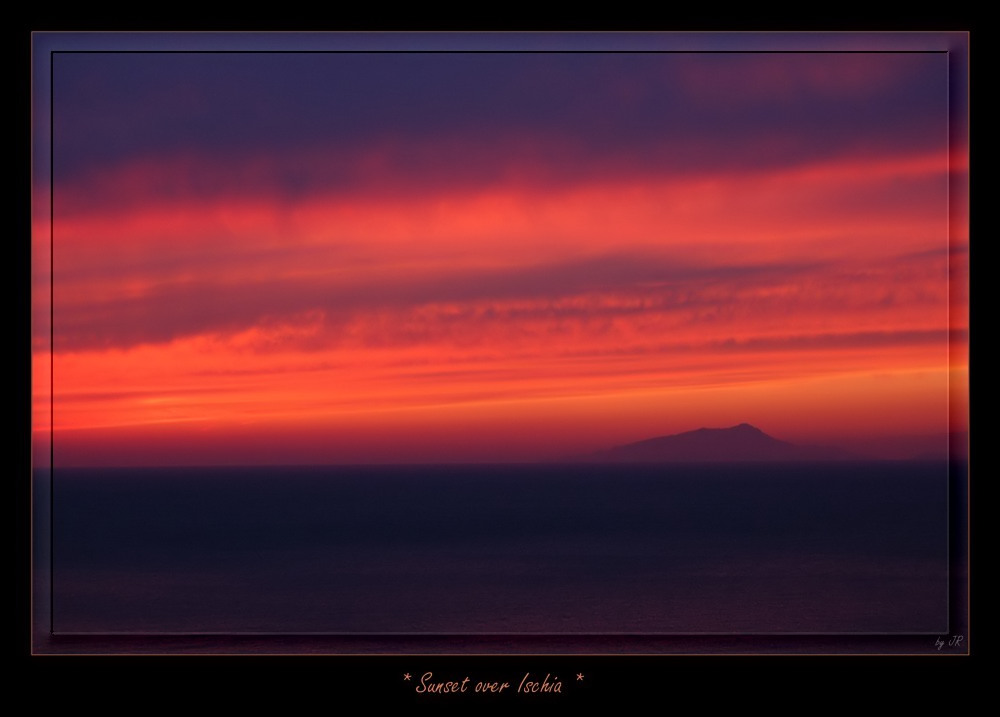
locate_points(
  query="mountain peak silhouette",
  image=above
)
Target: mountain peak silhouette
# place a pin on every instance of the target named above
(742, 442)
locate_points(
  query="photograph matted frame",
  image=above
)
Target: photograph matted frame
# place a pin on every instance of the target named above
(67, 324)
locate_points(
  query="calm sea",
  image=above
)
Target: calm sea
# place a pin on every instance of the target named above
(519, 549)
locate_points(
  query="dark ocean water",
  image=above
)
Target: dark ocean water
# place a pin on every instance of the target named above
(521, 549)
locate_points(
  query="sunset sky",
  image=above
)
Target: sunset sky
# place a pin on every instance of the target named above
(378, 257)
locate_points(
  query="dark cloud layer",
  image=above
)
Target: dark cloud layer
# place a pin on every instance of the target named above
(635, 285)
(651, 111)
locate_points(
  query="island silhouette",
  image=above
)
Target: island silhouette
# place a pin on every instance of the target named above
(716, 445)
